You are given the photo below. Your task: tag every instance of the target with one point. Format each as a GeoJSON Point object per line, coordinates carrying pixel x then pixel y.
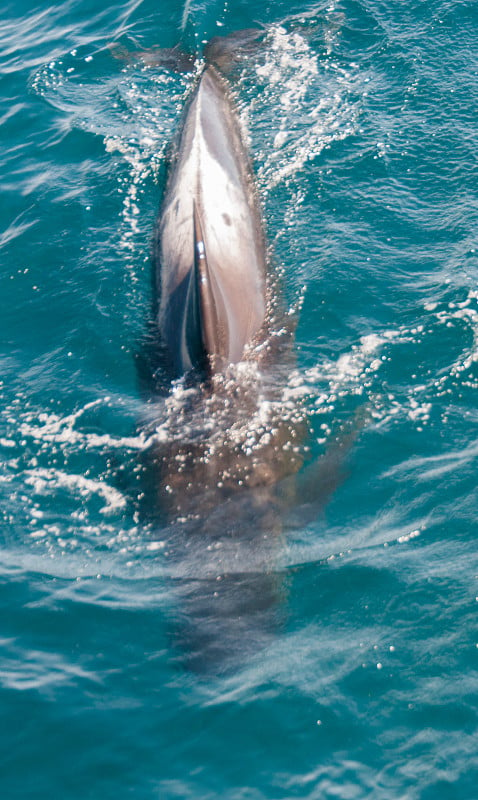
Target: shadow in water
{"type": "Point", "coordinates": [224, 621]}
{"type": "Point", "coordinates": [223, 482]}
{"type": "Point", "coordinates": [228, 591]}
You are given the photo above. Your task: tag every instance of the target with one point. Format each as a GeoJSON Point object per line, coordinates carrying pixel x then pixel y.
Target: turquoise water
{"type": "Point", "coordinates": [349, 667]}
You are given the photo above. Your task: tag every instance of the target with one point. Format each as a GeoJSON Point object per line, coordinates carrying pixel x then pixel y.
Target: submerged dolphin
{"type": "Point", "coordinates": [210, 244]}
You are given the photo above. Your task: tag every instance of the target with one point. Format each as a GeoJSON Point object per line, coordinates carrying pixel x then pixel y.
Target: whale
{"type": "Point", "coordinates": [210, 247]}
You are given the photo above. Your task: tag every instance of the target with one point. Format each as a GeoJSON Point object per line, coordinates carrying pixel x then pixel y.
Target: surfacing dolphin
{"type": "Point", "coordinates": [227, 444]}
{"type": "Point", "coordinates": [210, 243]}
{"type": "Point", "coordinates": [222, 441]}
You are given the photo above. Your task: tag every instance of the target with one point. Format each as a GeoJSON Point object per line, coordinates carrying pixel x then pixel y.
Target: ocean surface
{"type": "Point", "coordinates": [333, 655]}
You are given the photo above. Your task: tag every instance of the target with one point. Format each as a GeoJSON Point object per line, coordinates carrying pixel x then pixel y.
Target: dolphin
{"type": "Point", "coordinates": [209, 244]}
{"type": "Point", "coordinates": [220, 471]}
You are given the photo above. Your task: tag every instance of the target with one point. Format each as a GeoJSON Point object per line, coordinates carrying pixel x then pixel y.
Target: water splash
{"type": "Point", "coordinates": [291, 78]}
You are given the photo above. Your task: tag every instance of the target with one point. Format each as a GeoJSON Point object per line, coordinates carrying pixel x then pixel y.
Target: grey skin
{"type": "Point", "coordinates": [211, 251]}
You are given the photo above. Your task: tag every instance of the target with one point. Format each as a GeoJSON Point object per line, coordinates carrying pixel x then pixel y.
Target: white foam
{"type": "Point", "coordinates": [52, 428]}
{"type": "Point", "coordinates": [302, 127]}
{"type": "Point", "coordinates": [46, 481]}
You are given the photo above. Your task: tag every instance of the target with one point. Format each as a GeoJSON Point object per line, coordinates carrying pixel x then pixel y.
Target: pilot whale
{"type": "Point", "coordinates": [210, 244]}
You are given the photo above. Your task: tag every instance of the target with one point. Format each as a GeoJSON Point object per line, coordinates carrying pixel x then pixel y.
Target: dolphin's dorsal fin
{"type": "Point", "coordinates": [208, 314]}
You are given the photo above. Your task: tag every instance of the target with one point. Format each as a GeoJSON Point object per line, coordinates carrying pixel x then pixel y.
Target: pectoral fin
{"type": "Point", "coordinates": [171, 58]}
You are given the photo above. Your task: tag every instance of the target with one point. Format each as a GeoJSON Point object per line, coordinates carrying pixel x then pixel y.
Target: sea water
{"type": "Point", "coordinates": [361, 682]}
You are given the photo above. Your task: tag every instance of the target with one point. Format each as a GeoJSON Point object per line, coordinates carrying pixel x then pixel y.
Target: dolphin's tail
{"type": "Point", "coordinates": [227, 52]}
{"type": "Point", "coordinates": [224, 52]}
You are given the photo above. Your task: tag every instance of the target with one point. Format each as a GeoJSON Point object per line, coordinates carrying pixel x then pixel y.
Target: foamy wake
{"type": "Point", "coordinates": [292, 77]}
{"type": "Point", "coordinates": [44, 481]}
{"type": "Point", "coordinates": [134, 111]}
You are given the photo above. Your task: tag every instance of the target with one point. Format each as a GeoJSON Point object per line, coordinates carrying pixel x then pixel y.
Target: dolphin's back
{"type": "Point", "coordinates": [212, 257]}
